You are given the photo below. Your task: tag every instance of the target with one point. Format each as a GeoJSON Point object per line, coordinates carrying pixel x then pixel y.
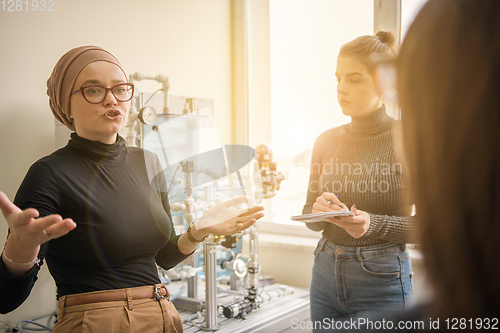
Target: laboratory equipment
{"type": "Point", "coordinates": [182, 135]}
{"type": "Point", "coordinates": [270, 177]}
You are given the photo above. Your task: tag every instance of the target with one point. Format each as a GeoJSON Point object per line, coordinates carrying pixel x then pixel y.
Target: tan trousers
{"type": "Point", "coordinates": [128, 316]}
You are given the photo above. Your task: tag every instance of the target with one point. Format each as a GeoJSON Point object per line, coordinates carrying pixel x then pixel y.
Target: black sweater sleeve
{"type": "Point", "coordinates": [14, 290]}
{"type": "Point", "coordinates": [41, 184]}
{"type": "Point", "coordinates": [170, 255]}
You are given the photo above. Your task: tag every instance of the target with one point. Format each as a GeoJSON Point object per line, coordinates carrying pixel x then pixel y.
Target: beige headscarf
{"type": "Point", "coordinates": [64, 74]}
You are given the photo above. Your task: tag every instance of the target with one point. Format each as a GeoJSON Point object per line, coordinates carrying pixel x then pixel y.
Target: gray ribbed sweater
{"type": "Point", "coordinates": [357, 161]}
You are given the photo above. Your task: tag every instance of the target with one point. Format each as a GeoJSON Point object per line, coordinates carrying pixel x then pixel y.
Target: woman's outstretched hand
{"type": "Point", "coordinates": [27, 229]}
{"type": "Point", "coordinates": [27, 233]}
{"type": "Point", "coordinates": [221, 220]}
{"type": "Point", "coordinates": [238, 223]}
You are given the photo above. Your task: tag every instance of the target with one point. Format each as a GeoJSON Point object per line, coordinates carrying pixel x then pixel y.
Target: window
{"type": "Point", "coordinates": [305, 39]}
{"type": "Point", "coordinates": [409, 9]}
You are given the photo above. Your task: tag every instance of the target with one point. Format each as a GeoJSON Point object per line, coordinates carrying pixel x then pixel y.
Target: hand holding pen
{"type": "Point", "coordinates": [356, 225]}
{"type": "Point", "coordinates": [327, 202]}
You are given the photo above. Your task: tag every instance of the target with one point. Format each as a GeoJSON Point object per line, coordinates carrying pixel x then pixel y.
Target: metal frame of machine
{"type": "Point", "coordinates": [262, 184]}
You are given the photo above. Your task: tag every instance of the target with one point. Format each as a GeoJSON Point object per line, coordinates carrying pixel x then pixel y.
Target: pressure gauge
{"type": "Point", "coordinates": [147, 115]}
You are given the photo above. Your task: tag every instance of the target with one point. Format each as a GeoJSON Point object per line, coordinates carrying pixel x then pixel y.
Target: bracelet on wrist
{"type": "Point", "coordinates": [33, 262]}
{"type": "Point", "coordinates": [191, 238]}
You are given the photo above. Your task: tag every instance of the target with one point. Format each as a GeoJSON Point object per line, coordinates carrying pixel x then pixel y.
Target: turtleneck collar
{"type": "Point", "coordinates": [105, 154]}
{"type": "Point", "coordinates": [371, 124]}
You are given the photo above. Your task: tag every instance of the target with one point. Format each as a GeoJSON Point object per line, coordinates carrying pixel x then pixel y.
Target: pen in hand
{"type": "Point", "coordinates": [330, 201]}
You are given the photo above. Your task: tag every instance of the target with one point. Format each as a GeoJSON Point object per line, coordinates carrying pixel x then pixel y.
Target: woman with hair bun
{"type": "Point", "coordinates": [361, 265]}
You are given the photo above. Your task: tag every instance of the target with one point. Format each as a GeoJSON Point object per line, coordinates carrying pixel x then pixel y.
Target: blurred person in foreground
{"type": "Point", "coordinates": [448, 74]}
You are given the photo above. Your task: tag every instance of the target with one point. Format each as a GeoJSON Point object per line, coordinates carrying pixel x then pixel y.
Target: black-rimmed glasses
{"type": "Point", "coordinates": [95, 94]}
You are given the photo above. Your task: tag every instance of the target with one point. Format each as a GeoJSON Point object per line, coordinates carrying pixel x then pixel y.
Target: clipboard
{"type": "Point", "coordinates": [317, 217]}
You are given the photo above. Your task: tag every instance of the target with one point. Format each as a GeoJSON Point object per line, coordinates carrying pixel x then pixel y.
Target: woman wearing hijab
{"type": "Point", "coordinates": [95, 211]}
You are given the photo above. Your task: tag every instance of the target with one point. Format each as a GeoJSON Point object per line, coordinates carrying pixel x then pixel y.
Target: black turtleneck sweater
{"type": "Point", "coordinates": [123, 220]}
{"type": "Point", "coordinates": [357, 161]}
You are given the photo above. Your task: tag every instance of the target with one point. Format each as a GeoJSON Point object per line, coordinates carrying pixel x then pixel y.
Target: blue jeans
{"type": "Point", "coordinates": [358, 282]}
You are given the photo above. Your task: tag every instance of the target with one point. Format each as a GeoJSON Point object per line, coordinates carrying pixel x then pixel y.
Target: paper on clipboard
{"type": "Point", "coordinates": [316, 217]}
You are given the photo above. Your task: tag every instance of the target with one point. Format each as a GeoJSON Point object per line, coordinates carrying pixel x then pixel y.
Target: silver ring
{"type": "Point", "coordinates": [46, 234]}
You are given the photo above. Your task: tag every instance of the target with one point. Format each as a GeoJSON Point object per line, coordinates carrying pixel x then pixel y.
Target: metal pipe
{"type": "Point", "coordinates": [253, 263]}
{"type": "Point", "coordinates": [131, 126]}
{"type": "Point", "coordinates": [209, 255]}
{"type": "Point", "coordinates": [163, 79]}
{"type": "Point", "coordinates": [192, 282]}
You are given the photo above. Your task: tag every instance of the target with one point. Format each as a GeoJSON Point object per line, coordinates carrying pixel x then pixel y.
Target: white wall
{"type": "Point", "coordinates": [188, 40]}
